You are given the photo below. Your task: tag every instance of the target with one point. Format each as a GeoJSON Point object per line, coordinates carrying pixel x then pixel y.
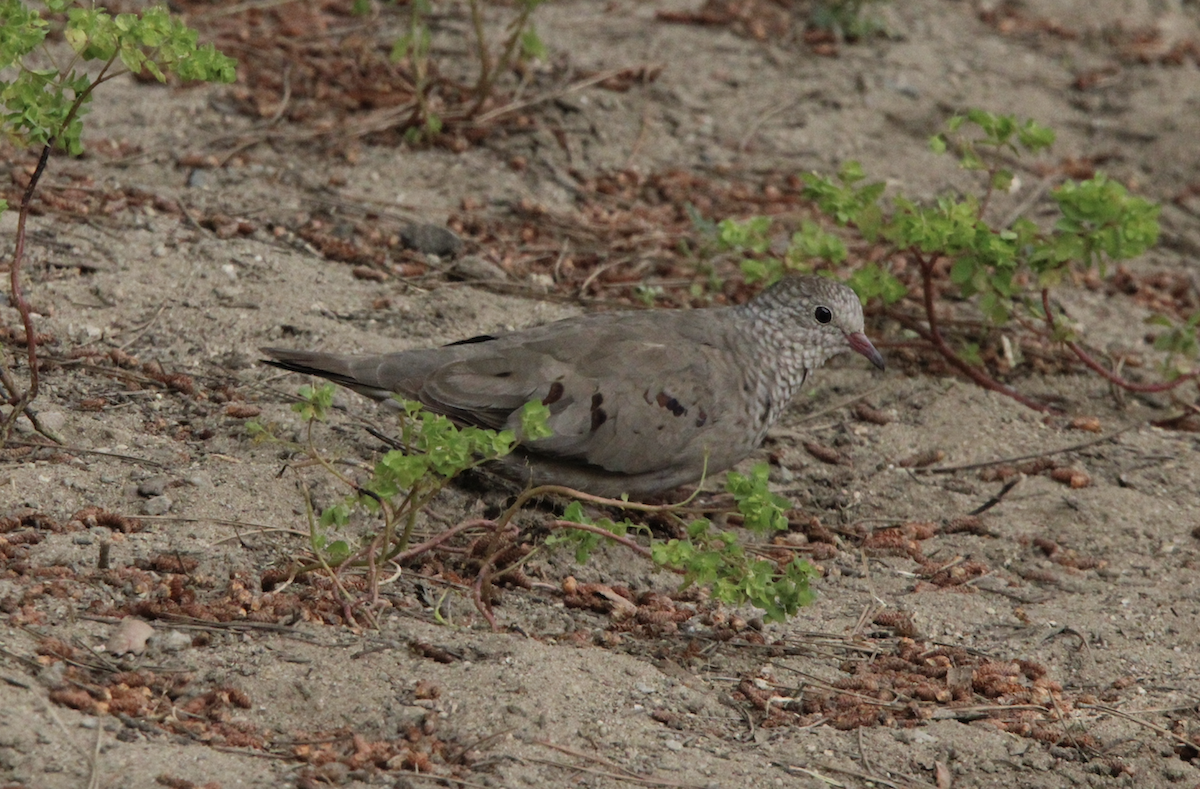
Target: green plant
{"type": "Point", "coordinates": [414, 48]}
{"type": "Point", "coordinates": [1005, 271]}
{"type": "Point", "coordinates": [750, 239]}
{"type": "Point", "coordinates": [713, 557]}
{"type": "Point", "coordinates": [44, 105]}
{"type": "Point", "coordinates": [433, 451]}
{"type": "Point", "coordinates": [849, 18]}
{"type": "Point", "coordinates": [390, 495]}
{"type": "Point", "coordinates": [522, 39]}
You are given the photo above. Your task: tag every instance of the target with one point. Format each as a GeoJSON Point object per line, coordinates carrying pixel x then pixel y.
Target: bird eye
{"type": "Point", "coordinates": [823, 315]}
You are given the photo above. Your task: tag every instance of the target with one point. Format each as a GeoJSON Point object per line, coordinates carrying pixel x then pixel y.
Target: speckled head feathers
{"type": "Point", "coordinates": [822, 317]}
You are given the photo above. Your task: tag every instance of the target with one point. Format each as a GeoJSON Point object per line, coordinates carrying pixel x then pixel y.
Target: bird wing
{"type": "Point", "coordinates": [630, 398]}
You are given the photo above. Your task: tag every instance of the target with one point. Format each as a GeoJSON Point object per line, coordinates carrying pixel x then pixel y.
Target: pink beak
{"type": "Point", "coordinates": [860, 344]}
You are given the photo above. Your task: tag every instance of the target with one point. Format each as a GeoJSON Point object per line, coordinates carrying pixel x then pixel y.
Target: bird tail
{"type": "Point", "coordinates": [349, 371]}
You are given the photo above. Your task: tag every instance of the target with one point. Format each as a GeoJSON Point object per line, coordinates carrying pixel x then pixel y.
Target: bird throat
{"type": "Point", "coordinates": [778, 367]}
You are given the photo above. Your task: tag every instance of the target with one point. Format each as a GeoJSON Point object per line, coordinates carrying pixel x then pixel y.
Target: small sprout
{"type": "Point", "coordinates": [535, 418]}
{"type": "Point", "coordinates": [315, 402]}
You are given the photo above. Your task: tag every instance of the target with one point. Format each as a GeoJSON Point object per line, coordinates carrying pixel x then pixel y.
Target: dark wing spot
{"type": "Point", "coordinates": [471, 340]}
{"type": "Point", "coordinates": [702, 418]}
{"type": "Point", "coordinates": [598, 418]}
{"type": "Point", "coordinates": [597, 399]}
{"type": "Point", "coordinates": [555, 394]}
{"type": "Point", "coordinates": [766, 408]}
{"type": "Point", "coordinates": [664, 400]}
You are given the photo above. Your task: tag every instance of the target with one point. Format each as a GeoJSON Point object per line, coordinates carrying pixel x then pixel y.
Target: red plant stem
{"type": "Point", "coordinates": [1106, 373]}
{"type": "Point", "coordinates": [934, 337]}
{"type": "Point", "coordinates": [15, 279]}
{"type": "Point", "coordinates": [485, 577]}
{"type": "Point", "coordinates": [430, 544]}
{"type": "Point", "coordinates": [20, 404]}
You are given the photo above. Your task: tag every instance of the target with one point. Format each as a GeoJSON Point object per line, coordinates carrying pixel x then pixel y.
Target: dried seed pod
{"type": "Point", "coordinates": [242, 411]}
{"type": "Point", "coordinates": [868, 414]}
{"type": "Point", "coordinates": [825, 454]}
{"type": "Point", "coordinates": [1071, 476]}
{"type": "Point", "coordinates": [922, 459]}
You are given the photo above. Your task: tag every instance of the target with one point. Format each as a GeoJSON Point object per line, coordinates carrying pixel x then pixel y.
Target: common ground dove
{"type": "Point", "coordinates": [640, 402]}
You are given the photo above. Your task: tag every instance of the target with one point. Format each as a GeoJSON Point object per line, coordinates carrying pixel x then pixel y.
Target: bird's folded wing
{"type": "Point", "coordinates": [612, 407]}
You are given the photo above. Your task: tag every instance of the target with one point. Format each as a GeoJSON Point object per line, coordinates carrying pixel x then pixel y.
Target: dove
{"type": "Point", "coordinates": [640, 402]}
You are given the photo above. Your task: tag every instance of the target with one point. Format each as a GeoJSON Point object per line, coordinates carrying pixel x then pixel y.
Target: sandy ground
{"type": "Point", "coordinates": [1096, 588]}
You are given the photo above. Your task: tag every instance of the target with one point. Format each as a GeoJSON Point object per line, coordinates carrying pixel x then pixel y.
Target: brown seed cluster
{"type": "Point", "coordinates": [1067, 475]}
{"type": "Point", "coordinates": [649, 613]}
{"type": "Point", "coordinates": [913, 681]}
{"type": "Point", "coordinates": [905, 540]}
{"type": "Point", "coordinates": [1067, 557]}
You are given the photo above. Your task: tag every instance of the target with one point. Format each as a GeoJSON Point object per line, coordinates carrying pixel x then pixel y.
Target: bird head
{"type": "Point", "coordinates": [825, 314]}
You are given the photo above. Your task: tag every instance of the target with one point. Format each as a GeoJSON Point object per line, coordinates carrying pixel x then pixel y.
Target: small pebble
{"type": "Point", "coordinates": [431, 240]}
{"type": "Point", "coordinates": [198, 179]}
{"type": "Point", "coordinates": [152, 486]}
{"type": "Point", "coordinates": [199, 479]}
{"type": "Point", "coordinates": [172, 641]}
{"type": "Point", "coordinates": [53, 420]}
{"type": "Point", "coordinates": [474, 268]}
{"type": "Point", "coordinates": [157, 505]}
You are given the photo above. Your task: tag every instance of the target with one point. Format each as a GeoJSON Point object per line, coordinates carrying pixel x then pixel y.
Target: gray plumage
{"type": "Point", "coordinates": [638, 400]}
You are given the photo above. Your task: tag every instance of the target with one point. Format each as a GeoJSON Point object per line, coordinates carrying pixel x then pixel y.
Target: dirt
{"type": "Point", "coordinates": [1092, 586]}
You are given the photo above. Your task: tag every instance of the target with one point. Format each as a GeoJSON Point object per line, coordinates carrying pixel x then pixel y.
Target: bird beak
{"type": "Point", "coordinates": [860, 344]}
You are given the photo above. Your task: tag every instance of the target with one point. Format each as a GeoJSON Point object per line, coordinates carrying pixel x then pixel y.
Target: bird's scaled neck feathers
{"type": "Point", "coordinates": [773, 363]}
{"type": "Point", "coordinates": [781, 336]}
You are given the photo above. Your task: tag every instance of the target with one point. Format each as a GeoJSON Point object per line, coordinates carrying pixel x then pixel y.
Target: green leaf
{"type": "Point", "coordinates": [762, 510]}
{"type": "Point", "coordinates": [337, 515]}
{"type": "Point", "coordinates": [1101, 219]}
{"type": "Point", "coordinates": [574, 513]}
{"type": "Point", "coordinates": [812, 241]}
{"type": "Point", "coordinates": [845, 202]}
{"type": "Point", "coordinates": [337, 552]}
{"type": "Point", "coordinates": [532, 45]}
{"type": "Point", "coordinates": [315, 402]}
{"type": "Point", "coordinates": [970, 354]}
{"type": "Point", "coordinates": [755, 270]}
{"type": "Point", "coordinates": [751, 235]}
{"type": "Point", "coordinates": [535, 418]}
{"type": "Point", "coordinates": [401, 468]}
{"type": "Point", "coordinates": [871, 282]}
{"type": "Point", "coordinates": [1035, 137]}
